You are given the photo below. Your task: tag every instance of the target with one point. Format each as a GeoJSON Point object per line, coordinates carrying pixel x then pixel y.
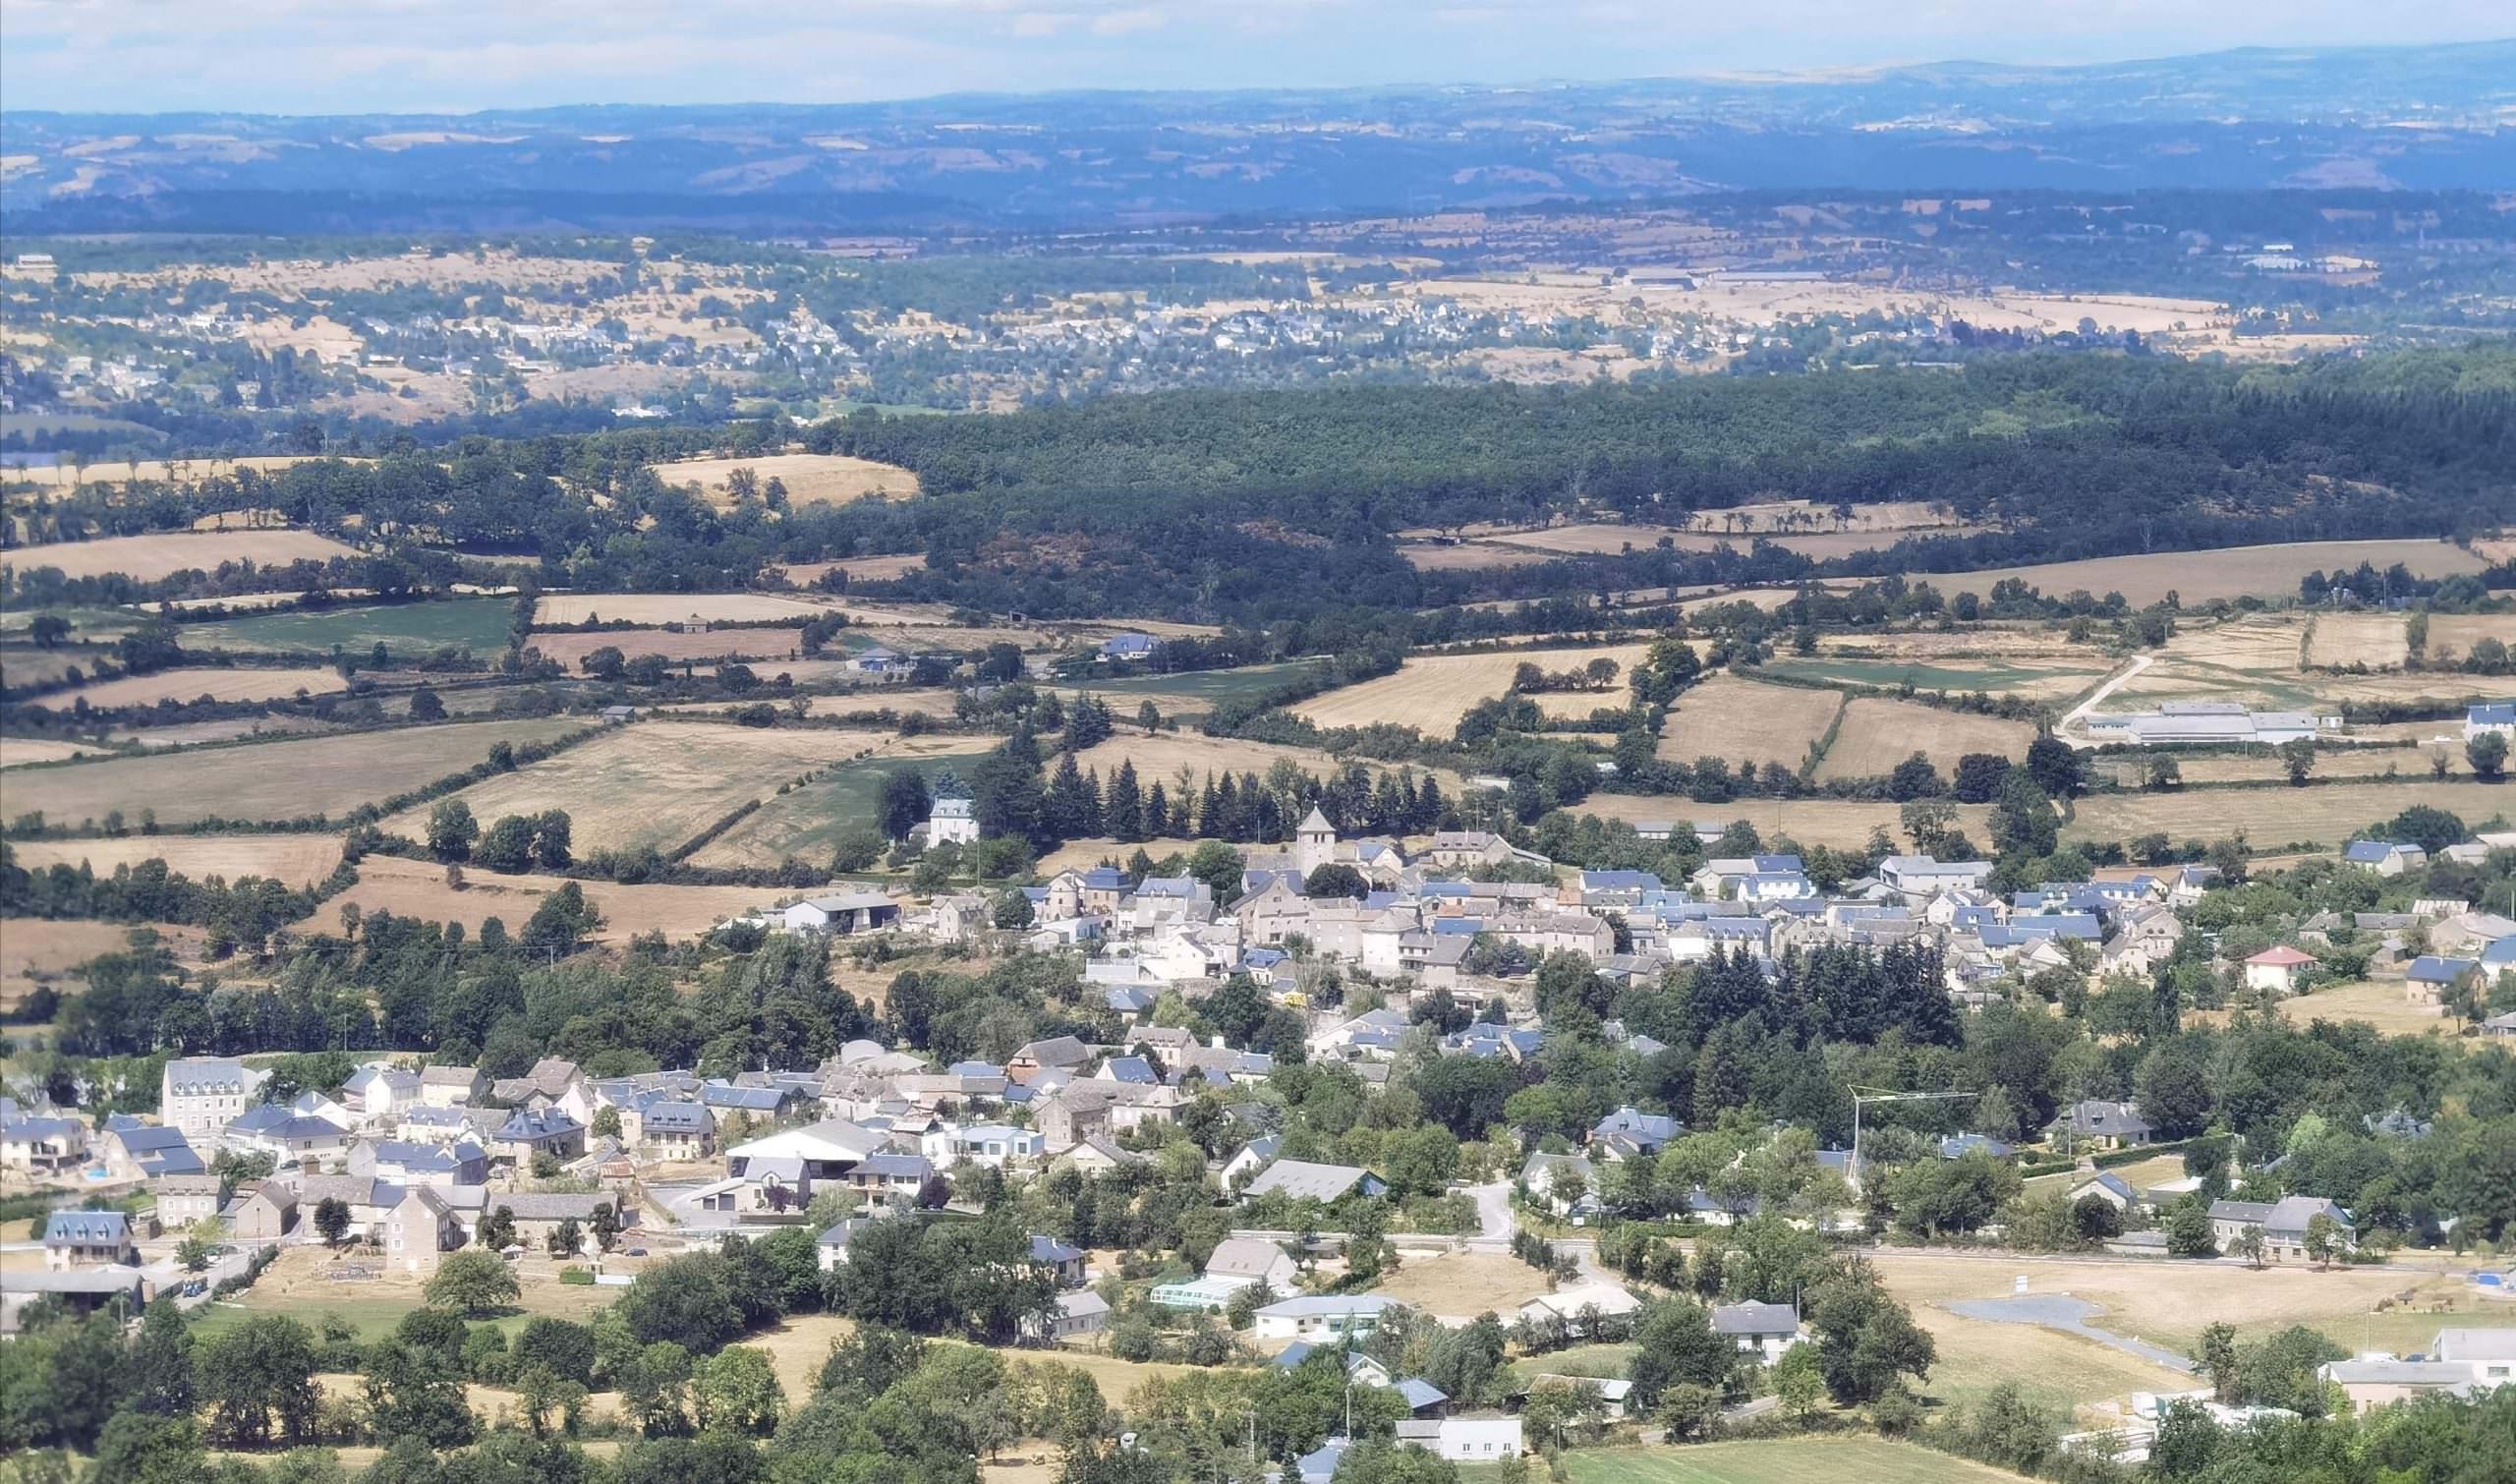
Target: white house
{"type": "Point", "coordinates": [1312, 1316]}
{"type": "Point", "coordinates": [1464, 1440]}
{"type": "Point", "coordinates": [2275, 969]}
{"type": "Point", "coordinates": [2491, 719]}
{"type": "Point", "coordinates": [951, 824]}
{"type": "Point", "coordinates": [1249, 1259]}
{"type": "Point", "coordinates": [1762, 1330]}
{"type": "Point", "coordinates": [203, 1095]}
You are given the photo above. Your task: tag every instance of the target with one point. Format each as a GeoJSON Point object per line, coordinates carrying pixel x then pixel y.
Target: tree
{"type": "Point", "coordinates": [566, 1238]}
{"type": "Point", "coordinates": [496, 1231]}
{"type": "Point", "coordinates": [138, 1447]}
{"type": "Point", "coordinates": [2218, 1354]}
{"type": "Point", "coordinates": [736, 1388]}
{"type": "Point", "coordinates": [2188, 1231]}
{"type": "Point", "coordinates": [2056, 767]}
{"type": "Point", "coordinates": [416, 1393]}
{"type": "Point", "coordinates": [2487, 755]}
{"type": "Point", "coordinates": [331, 1220]}
{"type": "Point", "coordinates": [688, 1302]}
{"type": "Point", "coordinates": [1800, 1383]}
{"type": "Point", "coordinates": [905, 804]}
{"type": "Point", "coordinates": [566, 1350]}
{"type": "Point", "coordinates": [2297, 758]}
{"type": "Point", "coordinates": [451, 830]}
{"type": "Point", "coordinates": [1674, 1345]}
{"type": "Point", "coordinates": [258, 1380]}
{"type": "Point", "coordinates": [426, 706]}
{"type": "Point", "coordinates": [2172, 1086]}
{"type": "Point", "coordinates": [473, 1283]}
{"type": "Point", "coordinates": [508, 844]}
{"type": "Point", "coordinates": [1334, 878]}
{"type": "Point", "coordinates": [2323, 1240]}
{"type": "Point", "coordinates": [606, 1227]}
{"type": "Point", "coordinates": [2248, 1244]}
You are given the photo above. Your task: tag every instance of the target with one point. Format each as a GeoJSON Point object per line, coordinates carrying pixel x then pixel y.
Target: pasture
{"type": "Point", "coordinates": [2451, 636]}
{"type": "Point", "coordinates": [153, 558]}
{"type": "Point", "coordinates": [292, 860]}
{"type": "Point", "coordinates": [418, 888]}
{"type": "Point", "coordinates": [806, 822]}
{"type": "Point", "coordinates": [2370, 639]}
{"type": "Point", "coordinates": [811, 479]}
{"type": "Point", "coordinates": [203, 682]}
{"type": "Point", "coordinates": [1855, 1459]}
{"type": "Point", "coordinates": [1877, 733]}
{"type": "Point", "coordinates": [1196, 689]}
{"type": "Point", "coordinates": [477, 624]}
{"type": "Point", "coordinates": [658, 783]}
{"type": "Point", "coordinates": [553, 611]}
{"type": "Point", "coordinates": [2325, 814]}
{"type": "Point", "coordinates": [2034, 679]}
{"type": "Point", "coordinates": [2200, 576]}
{"type": "Point", "coordinates": [1742, 720]}
{"type": "Point", "coordinates": [1464, 1284]}
{"type": "Point", "coordinates": [2380, 1002]}
{"type": "Point", "coordinates": [270, 780]}
{"type": "Point", "coordinates": [858, 569]}
{"type": "Point", "coordinates": [43, 666]}
{"type": "Point", "coordinates": [1431, 692]}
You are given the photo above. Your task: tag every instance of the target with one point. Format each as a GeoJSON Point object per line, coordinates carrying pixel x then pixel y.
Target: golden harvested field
{"type": "Point", "coordinates": [35, 952]}
{"type": "Point", "coordinates": [124, 471]}
{"type": "Point", "coordinates": [657, 783]}
{"type": "Point", "coordinates": [808, 821]}
{"type": "Point", "coordinates": [1431, 692]}
{"type": "Point", "coordinates": [418, 888]}
{"type": "Point", "coordinates": [2370, 639]}
{"type": "Point", "coordinates": [1468, 556]}
{"type": "Point", "coordinates": [2406, 763]}
{"type": "Point", "coordinates": [1167, 755]}
{"type": "Point", "coordinates": [561, 610]}
{"type": "Point", "coordinates": [571, 650]}
{"type": "Point", "coordinates": [246, 602]}
{"type": "Point", "coordinates": [799, 1344]}
{"type": "Point", "coordinates": [1844, 824]}
{"type": "Point", "coordinates": [1746, 720]}
{"type": "Point", "coordinates": [1878, 734]}
{"type": "Point", "coordinates": [270, 780]}
{"type": "Point", "coordinates": [2322, 814]}
{"type": "Point", "coordinates": [292, 860]}
{"type": "Point", "coordinates": [2451, 636]}
{"type": "Point", "coordinates": [811, 479]}
{"type": "Point", "coordinates": [1849, 1459]}
{"type": "Point", "coordinates": [227, 729]}
{"type": "Point", "coordinates": [2199, 576]}
{"type": "Point", "coordinates": [2378, 1001]}
{"type": "Point", "coordinates": [1464, 1284]}
{"type": "Point", "coordinates": [857, 568]}
{"type": "Point", "coordinates": [16, 752]}
{"type": "Point", "coordinates": [150, 558]}
{"type": "Point", "coordinates": [241, 684]}
{"type": "Point", "coordinates": [1576, 706]}
{"type": "Point", "coordinates": [2054, 1369]}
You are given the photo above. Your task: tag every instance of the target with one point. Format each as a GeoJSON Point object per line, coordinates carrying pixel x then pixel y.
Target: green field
{"type": "Point", "coordinates": [1792, 1460]}
{"type": "Point", "coordinates": [404, 629]}
{"type": "Point", "coordinates": [1242, 684]}
{"type": "Point", "coordinates": [808, 821]}
{"type": "Point", "coordinates": [1985, 675]}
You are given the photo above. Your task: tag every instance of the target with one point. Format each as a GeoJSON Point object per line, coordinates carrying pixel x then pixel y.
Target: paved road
{"type": "Point", "coordinates": [1494, 1219]}
{"type": "Point", "coordinates": [2060, 1311]}
{"type": "Point", "coordinates": [2078, 718]}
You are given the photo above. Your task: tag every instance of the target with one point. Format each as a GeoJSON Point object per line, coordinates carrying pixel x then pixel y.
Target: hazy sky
{"type": "Point", "coordinates": [349, 56]}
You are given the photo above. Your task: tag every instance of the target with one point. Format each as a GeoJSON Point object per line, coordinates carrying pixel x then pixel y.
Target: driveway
{"type": "Point", "coordinates": [1494, 1219]}
{"type": "Point", "coordinates": [2073, 729]}
{"type": "Point", "coordinates": [2060, 1311]}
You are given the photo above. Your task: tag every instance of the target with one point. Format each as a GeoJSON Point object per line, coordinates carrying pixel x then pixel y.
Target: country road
{"type": "Point", "coordinates": [2079, 714]}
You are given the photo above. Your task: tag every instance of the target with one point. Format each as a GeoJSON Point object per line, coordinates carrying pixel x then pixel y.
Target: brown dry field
{"type": "Point", "coordinates": [2170, 1304]}
{"type": "Point", "coordinates": [765, 645]}
{"type": "Point", "coordinates": [292, 860]}
{"type": "Point", "coordinates": [811, 479]}
{"type": "Point", "coordinates": [1878, 734]}
{"type": "Point", "coordinates": [2250, 642]}
{"type": "Point", "coordinates": [555, 611]}
{"type": "Point", "coordinates": [239, 684]}
{"type": "Point", "coordinates": [1431, 692]}
{"type": "Point", "coordinates": [2406, 763]}
{"type": "Point", "coordinates": [418, 888]}
{"type": "Point", "coordinates": [150, 558]}
{"type": "Point", "coordinates": [43, 666]}
{"type": "Point", "coordinates": [1819, 543]}
{"type": "Point", "coordinates": [246, 602]}
{"type": "Point", "coordinates": [857, 568]}
{"type": "Point", "coordinates": [1747, 720]}
{"type": "Point", "coordinates": [18, 752]}
{"type": "Point", "coordinates": [2451, 636]}
{"type": "Point", "coordinates": [1844, 824]}
{"type": "Point", "coordinates": [2324, 813]}
{"type": "Point", "coordinates": [123, 471]}
{"type": "Point", "coordinates": [804, 822]}
{"type": "Point", "coordinates": [270, 780]}
{"type": "Point", "coordinates": [2200, 576]}
{"type": "Point", "coordinates": [2370, 639]}
{"type": "Point", "coordinates": [2005, 643]}
{"type": "Point", "coordinates": [935, 701]}
{"type": "Point", "coordinates": [1468, 556]}
{"type": "Point", "coordinates": [657, 783]}
{"type": "Point", "coordinates": [34, 950]}
{"type": "Point", "coordinates": [1464, 1284]}
{"type": "Point", "coordinates": [1576, 706]}
{"type": "Point", "coordinates": [799, 1344]}
{"type": "Point", "coordinates": [228, 728]}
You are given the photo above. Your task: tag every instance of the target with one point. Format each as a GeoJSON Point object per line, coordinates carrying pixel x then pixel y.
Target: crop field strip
{"type": "Point", "coordinates": [1737, 719]}
{"type": "Point", "coordinates": [1432, 692]}
{"type": "Point", "coordinates": [1877, 733]}
{"type": "Point", "coordinates": [479, 624]}
{"type": "Point", "coordinates": [151, 558]}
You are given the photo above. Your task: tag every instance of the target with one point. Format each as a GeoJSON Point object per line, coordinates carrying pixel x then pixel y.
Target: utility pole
{"type": "Point", "coordinates": [1861, 1097]}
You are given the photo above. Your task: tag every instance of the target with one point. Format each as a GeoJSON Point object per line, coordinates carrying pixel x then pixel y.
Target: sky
{"type": "Point", "coordinates": [370, 56]}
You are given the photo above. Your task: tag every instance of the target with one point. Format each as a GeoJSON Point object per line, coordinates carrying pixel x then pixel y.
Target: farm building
{"type": "Point", "coordinates": [2207, 721]}
{"type": "Point", "coordinates": [842, 912]}
{"type": "Point", "coordinates": [2494, 717]}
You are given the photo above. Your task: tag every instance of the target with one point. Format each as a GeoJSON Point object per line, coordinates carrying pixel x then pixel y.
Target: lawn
{"type": "Point", "coordinates": [807, 822]}
{"type": "Point", "coordinates": [412, 628]}
{"type": "Point", "coordinates": [1795, 1460]}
